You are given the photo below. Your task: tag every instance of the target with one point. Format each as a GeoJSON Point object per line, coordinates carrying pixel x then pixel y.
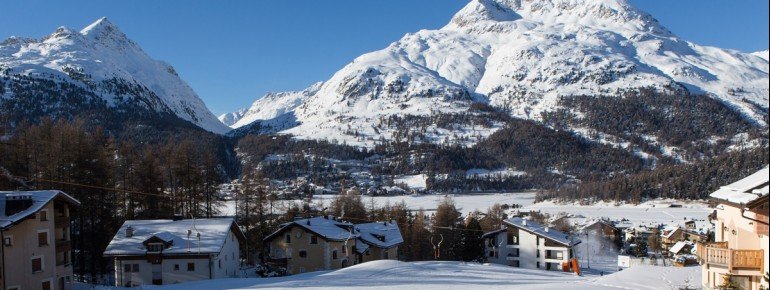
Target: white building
{"type": "Point", "coordinates": [739, 253]}
{"type": "Point", "coordinates": [174, 251]}
{"type": "Point", "coordinates": [527, 244]}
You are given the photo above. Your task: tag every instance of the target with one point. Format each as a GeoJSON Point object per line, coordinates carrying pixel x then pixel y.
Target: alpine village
{"type": "Point", "coordinates": [520, 144]}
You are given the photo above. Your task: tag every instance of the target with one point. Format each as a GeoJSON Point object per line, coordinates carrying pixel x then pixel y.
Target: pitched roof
{"type": "Point", "coordinates": [487, 234]}
{"type": "Point", "coordinates": [36, 201]}
{"type": "Point", "coordinates": [676, 248]}
{"type": "Point", "coordinates": [213, 233]}
{"type": "Point", "coordinates": [323, 226]}
{"type": "Point", "coordinates": [747, 189]}
{"type": "Point", "coordinates": [540, 230]}
{"type": "Point", "coordinates": [380, 234]}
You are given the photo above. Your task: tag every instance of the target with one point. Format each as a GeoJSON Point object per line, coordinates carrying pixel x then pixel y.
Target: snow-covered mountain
{"type": "Point", "coordinates": [231, 118]}
{"type": "Point", "coordinates": [102, 60]}
{"type": "Point", "coordinates": [763, 54]}
{"type": "Point", "coordinates": [517, 55]}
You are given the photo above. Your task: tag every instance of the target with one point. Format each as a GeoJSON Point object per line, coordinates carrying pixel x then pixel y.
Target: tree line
{"type": "Point", "coordinates": [114, 179]}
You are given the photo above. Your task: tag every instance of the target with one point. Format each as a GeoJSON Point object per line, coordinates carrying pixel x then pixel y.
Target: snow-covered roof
{"type": "Point", "coordinates": [35, 201]}
{"type": "Point", "coordinates": [676, 248]}
{"type": "Point", "coordinates": [540, 230]}
{"type": "Point", "coordinates": [380, 234]}
{"type": "Point", "coordinates": [745, 190]}
{"type": "Point", "coordinates": [361, 247]}
{"type": "Point", "coordinates": [213, 234]}
{"type": "Point", "coordinates": [325, 226]}
{"type": "Point", "coordinates": [672, 232]}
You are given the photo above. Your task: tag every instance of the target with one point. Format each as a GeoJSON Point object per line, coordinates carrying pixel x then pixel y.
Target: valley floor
{"type": "Point", "coordinates": [443, 275]}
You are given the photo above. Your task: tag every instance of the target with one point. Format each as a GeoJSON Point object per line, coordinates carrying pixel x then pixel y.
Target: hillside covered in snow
{"type": "Point", "coordinates": [520, 57]}
{"type": "Point", "coordinates": [97, 68]}
{"type": "Point", "coordinates": [385, 274]}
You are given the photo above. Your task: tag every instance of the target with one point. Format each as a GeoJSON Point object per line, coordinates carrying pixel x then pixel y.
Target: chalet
{"type": "Point", "coordinates": [35, 232]}
{"type": "Point", "coordinates": [740, 248]}
{"type": "Point", "coordinates": [603, 228]}
{"type": "Point", "coordinates": [173, 251]}
{"type": "Point", "coordinates": [526, 244]}
{"type": "Point", "coordinates": [326, 243]}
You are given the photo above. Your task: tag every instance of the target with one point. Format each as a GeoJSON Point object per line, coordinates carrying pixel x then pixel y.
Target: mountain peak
{"type": "Point", "coordinates": [103, 31]}
{"type": "Point", "coordinates": [597, 13]}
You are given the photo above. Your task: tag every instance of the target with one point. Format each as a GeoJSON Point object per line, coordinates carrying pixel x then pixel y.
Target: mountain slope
{"type": "Point", "coordinates": [521, 57]}
{"type": "Point", "coordinates": [763, 54]}
{"type": "Point", "coordinates": [102, 60]}
{"type": "Point", "coordinates": [231, 118]}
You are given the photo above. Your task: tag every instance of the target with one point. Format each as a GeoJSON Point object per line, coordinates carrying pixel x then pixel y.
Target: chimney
{"type": "Point", "coordinates": [546, 229]}
{"type": "Point", "coordinates": [524, 222]}
{"type": "Point", "coordinates": [308, 222]}
{"type": "Point", "coordinates": [129, 231]}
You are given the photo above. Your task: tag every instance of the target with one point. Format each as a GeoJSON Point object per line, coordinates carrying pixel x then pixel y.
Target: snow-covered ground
{"type": "Point", "coordinates": [467, 203]}
{"type": "Point", "coordinates": [647, 213]}
{"type": "Point", "coordinates": [452, 275]}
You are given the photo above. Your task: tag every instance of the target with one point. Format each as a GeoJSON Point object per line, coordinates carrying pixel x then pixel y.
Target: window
{"type": "Point", "coordinates": [190, 267]}
{"type": "Point", "coordinates": [538, 265]}
{"type": "Point", "coordinates": [176, 267]}
{"type": "Point", "coordinates": [491, 254]}
{"type": "Point", "coordinates": [288, 238]}
{"type": "Point", "coordinates": [303, 254]}
{"type": "Point", "coordinates": [128, 268]}
{"type": "Point", "coordinates": [344, 250]}
{"type": "Point", "coordinates": [314, 239]}
{"type": "Point", "coordinates": [537, 241]}
{"type": "Point", "coordinates": [334, 255]}
{"type": "Point", "coordinates": [37, 264]}
{"type": "Point", "coordinates": [301, 269]}
{"type": "Point", "coordinates": [513, 239]}
{"type": "Point", "coordinates": [8, 241]}
{"type": "Point", "coordinates": [44, 218]}
{"type": "Point", "coordinates": [538, 253]}
{"type": "Point", "coordinates": [46, 285]}
{"type": "Point", "coordinates": [386, 255]}
{"type": "Point", "coordinates": [154, 247]}
{"type": "Point", "coordinates": [42, 238]}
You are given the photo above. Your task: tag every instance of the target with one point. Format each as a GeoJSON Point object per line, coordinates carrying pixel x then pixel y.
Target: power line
{"type": "Point", "coordinates": [10, 175]}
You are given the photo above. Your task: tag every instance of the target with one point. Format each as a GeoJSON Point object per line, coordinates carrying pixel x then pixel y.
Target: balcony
{"type": "Point", "coordinates": [720, 255]}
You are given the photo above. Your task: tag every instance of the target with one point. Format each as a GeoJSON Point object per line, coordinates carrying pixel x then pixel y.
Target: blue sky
{"type": "Point", "coordinates": [232, 52]}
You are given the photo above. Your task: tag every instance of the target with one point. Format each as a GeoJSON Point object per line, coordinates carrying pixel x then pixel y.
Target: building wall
{"type": "Point", "coordinates": [18, 257]}
{"type": "Point", "coordinates": [319, 256]}
{"type": "Point", "coordinates": [227, 263]}
{"type": "Point", "coordinates": [173, 269]}
{"type": "Point", "coordinates": [528, 248]}
{"type": "Point", "coordinates": [170, 274]}
{"type": "Point", "coordinates": [376, 253]}
{"type": "Point", "coordinates": [729, 219]}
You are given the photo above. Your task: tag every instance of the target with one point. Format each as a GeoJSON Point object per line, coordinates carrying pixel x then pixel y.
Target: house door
{"type": "Point", "coordinates": [61, 284]}
{"type": "Point", "coordinates": [157, 274]}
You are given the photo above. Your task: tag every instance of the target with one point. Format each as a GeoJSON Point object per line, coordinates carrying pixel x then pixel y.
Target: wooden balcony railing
{"type": "Point", "coordinates": [718, 254]}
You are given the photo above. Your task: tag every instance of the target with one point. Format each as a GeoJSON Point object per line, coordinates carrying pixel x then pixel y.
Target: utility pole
{"type": "Point", "coordinates": [588, 253]}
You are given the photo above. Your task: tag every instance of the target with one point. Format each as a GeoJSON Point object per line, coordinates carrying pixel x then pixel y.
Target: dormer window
{"type": "Point", "coordinates": [155, 247]}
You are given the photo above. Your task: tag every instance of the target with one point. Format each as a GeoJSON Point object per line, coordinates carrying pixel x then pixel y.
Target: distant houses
{"type": "Point", "coordinates": [524, 243]}
{"type": "Point", "coordinates": [36, 241]}
{"type": "Point", "coordinates": [739, 253]}
{"type": "Point", "coordinates": [173, 251]}
{"type": "Point", "coordinates": [326, 243]}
